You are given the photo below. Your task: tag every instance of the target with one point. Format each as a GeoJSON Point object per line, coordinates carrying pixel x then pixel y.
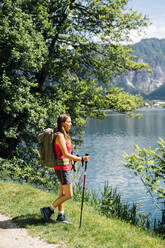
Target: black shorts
{"type": "Point", "coordinates": [64, 177]}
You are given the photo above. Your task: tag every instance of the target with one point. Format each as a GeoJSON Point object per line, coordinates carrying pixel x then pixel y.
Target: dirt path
{"type": "Point", "coordinates": [12, 236]}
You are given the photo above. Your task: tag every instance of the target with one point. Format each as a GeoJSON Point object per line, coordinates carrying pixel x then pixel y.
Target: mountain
{"type": "Point", "coordinates": [158, 94]}
{"type": "Point", "coordinates": [149, 84]}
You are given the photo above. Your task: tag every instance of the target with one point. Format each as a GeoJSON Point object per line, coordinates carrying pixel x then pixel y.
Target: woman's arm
{"type": "Point", "coordinates": [61, 142]}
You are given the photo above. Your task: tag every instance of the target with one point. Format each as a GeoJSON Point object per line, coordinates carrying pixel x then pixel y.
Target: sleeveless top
{"type": "Point", "coordinates": [58, 151]}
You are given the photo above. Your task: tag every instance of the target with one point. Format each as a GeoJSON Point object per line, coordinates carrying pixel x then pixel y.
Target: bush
{"type": "Point", "coordinates": [20, 171]}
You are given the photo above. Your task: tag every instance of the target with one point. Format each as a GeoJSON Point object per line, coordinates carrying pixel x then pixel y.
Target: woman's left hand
{"type": "Point", "coordinates": [85, 158]}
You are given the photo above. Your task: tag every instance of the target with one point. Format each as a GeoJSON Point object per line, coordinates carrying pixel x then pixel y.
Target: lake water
{"type": "Point", "coordinates": [105, 140]}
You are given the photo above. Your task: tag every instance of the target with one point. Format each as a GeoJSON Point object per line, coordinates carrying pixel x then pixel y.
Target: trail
{"type": "Point", "coordinates": [12, 236]}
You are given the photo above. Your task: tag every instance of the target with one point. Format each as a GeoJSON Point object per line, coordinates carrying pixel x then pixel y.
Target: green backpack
{"type": "Point", "coordinates": [45, 147]}
{"type": "Point", "coordinates": [47, 151]}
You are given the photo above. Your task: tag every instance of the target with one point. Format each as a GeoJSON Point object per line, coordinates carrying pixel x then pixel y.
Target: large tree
{"type": "Point", "coordinates": [55, 56]}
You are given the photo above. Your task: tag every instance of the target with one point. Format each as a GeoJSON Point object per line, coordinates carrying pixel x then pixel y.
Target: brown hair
{"type": "Point", "coordinates": [62, 118]}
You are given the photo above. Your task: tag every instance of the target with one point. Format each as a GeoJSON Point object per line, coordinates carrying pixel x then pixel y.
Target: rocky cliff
{"type": "Point", "coordinates": [152, 52]}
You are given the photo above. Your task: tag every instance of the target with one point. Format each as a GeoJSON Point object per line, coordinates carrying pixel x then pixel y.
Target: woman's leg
{"type": "Point", "coordinates": [61, 206]}
{"type": "Point", "coordinates": [67, 194]}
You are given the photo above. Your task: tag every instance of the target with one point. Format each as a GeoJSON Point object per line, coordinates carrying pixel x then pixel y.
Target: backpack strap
{"type": "Point", "coordinates": [55, 150]}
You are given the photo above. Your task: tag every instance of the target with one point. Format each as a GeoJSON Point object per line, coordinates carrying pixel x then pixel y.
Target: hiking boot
{"type": "Point", "coordinates": [46, 213]}
{"type": "Point", "coordinates": [62, 218]}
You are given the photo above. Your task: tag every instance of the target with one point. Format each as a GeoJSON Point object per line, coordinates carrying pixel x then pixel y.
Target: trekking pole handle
{"type": "Point", "coordinates": [86, 154]}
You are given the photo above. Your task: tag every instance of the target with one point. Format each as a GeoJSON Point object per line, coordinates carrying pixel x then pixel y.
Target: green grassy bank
{"type": "Point", "coordinates": [22, 202]}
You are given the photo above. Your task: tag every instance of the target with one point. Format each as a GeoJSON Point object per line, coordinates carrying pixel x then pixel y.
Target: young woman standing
{"type": "Point", "coordinates": [62, 145]}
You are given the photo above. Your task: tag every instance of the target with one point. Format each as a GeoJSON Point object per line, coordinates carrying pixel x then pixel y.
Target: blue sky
{"type": "Point", "coordinates": [155, 10]}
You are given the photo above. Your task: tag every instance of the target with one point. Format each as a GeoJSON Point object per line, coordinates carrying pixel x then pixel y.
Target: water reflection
{"type": "Point", "coordinates": [105, 140]}
{"type": "Point", "coordinates": [150, 124]}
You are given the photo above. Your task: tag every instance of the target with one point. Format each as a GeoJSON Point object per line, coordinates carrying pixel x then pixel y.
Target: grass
{"type": "Point", "coordinates": [22, 202]}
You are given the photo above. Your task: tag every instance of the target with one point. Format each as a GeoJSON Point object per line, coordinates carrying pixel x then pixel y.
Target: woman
{"type": "Point", "coordinates": [62, 145]}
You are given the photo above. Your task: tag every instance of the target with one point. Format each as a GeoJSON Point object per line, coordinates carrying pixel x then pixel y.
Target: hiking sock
{"type": "Point", "coordinates": [61, 212]}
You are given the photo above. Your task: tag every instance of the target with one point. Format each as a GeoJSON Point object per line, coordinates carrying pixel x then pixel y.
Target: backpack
{"type": "Point", "coordinates": [46, 147]}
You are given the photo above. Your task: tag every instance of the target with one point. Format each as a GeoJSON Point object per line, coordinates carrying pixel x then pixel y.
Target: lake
{"type": "Point", "coordinates": [106, 139]}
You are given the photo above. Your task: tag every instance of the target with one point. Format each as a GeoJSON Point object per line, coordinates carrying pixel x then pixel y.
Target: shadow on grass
{"type": "Point", "coordinates": [30, 219]}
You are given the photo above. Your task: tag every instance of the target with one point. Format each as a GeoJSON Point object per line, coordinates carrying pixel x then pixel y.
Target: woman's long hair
{"type": "Point", "coordinates": [62, 118]}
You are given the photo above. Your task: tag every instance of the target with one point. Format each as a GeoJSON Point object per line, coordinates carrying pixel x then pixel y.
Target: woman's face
{"type": "Point", "coordinates": [67, 124]}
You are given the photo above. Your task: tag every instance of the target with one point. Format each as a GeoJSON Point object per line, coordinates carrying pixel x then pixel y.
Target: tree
{"type": "Point", "coordinates": [149, 166]}
{"type": "Point", "coordinates": [54, 56]}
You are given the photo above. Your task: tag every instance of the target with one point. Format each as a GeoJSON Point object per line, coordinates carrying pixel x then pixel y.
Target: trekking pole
{"type": "Point", "coordinates": [83, 191]}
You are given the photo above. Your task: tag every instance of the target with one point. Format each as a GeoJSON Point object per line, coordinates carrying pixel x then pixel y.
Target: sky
{"type": "Point", "coordinates": [155, 11]}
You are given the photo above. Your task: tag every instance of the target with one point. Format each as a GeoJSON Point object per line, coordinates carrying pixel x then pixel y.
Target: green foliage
{"type": "Point", "coordinates": [45, 48]}
{"type": "Point", "coordinates": [117, 99]}
{"type": "Point", "coordinates": [149, 165]}
{"type": "Point", "coordinates": [111, 205]}
{"type": "Point", "coordinates": [18, 170]}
